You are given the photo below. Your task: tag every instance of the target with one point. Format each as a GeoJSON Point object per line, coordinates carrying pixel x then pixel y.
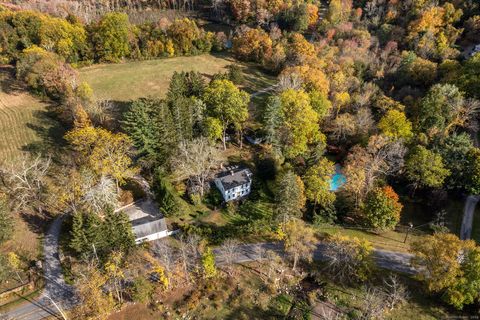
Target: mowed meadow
{"type": "Point", "coordinates": [21, 117]}
{"type": "Point", "coordinates": [132, 80]}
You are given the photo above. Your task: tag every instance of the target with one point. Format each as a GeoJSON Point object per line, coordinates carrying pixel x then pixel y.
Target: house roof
{"type": "Point", "coordinates": [145, 218]}
{"type": "Point", "coordinates": [234, 177]}
{"type": "Point", "coordinates": [148, 225]}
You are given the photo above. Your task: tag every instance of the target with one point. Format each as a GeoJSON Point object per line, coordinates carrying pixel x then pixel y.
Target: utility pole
{"type": "Point", "coordinates": [410, 227]}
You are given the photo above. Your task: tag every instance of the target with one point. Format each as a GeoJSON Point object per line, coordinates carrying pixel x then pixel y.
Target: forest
{"type": "Point", "coordinates": [380, 94]}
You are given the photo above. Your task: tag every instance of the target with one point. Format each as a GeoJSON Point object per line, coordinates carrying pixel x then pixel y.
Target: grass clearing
{"type": "Point", "coordinates": [24, 242]}
{"type": "Point", "coordinates": [22, 117]}
{"type": "Point", "coordinates": [388, 240]}
{"type": "Point", "coordinates": [132, 80]}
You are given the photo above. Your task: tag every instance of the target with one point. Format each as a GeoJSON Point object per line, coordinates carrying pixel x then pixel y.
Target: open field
{"type": "Point", "coordinates": [21, 116]}
{"type": "Point", "coordinates": [126, 81]}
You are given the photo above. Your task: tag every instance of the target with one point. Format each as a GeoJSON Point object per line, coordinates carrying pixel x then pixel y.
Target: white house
{"type": "Point", "coordinates": [234, 183]}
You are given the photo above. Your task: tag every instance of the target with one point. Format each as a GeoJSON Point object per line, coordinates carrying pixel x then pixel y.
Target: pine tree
{"type": "Point", "coordinates": [195, 83]}
{"type": "Point", "coordinates": [118, 231]}
{"type": "Point", "coordinates": [182, 115]}
{"type": "Point", "coordinates": [272, 119]}
{"type": "Point", "coordinates": [165, 197]}
{"type": "Point", "coordinates": [178, 87]}
{"type": "Point", "coordinates": [78, 242]}
{"type": "Point", "coordinates": [93, 233]}
{"type": "Point", "coordinates": [150, 125]}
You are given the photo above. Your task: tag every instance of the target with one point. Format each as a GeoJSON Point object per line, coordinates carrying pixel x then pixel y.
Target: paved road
{"type": "Point", "coordinates": [468, 213]}
{"type": "Point", "coordinates": [55, 288]}
{"type": "Point", "coordinates": [389, 260]}
{"type": "Point", "coordinates": [470, 204]}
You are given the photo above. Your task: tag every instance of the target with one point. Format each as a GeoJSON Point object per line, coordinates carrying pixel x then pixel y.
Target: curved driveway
{"type": "Point", "coordinates": [55, 287]}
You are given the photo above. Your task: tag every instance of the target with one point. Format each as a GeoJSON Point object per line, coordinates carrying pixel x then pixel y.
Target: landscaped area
{"type": "Point", "coordinates": [23, 117]}
{"type": "Point", "coordinates": [151, 78]}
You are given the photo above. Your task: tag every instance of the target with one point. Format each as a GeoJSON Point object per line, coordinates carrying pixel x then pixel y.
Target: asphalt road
{"type": "Point", "coordinates": [470, 204]}
{"type": "Point", "coordinates": [63, 294]}
{"type": "Point", "coordinates": [468, 213]}
{"type": "Point", "coordinates": [55, 288]}
{"type": "Point", "coordinates": [389, 260]}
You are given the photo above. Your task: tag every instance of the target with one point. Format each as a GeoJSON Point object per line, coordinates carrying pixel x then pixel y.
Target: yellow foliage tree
{"type": "Point", "coordinates": [95, 304]}
{"type": "Point", "coordinates": [439, 259]}
{"type": "Point", "coordinates": [312, 78]}
{"type": "Point", "coordinates": [105, 152]}
{"type": "Point", "coordinates": [299, 241]}
{"type": "Point", "coordinates": [300, 123]}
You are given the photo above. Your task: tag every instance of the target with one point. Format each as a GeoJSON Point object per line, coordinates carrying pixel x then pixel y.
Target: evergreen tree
{"type": "Point", "coordinates": [118, 231]}
{"type": "Point", "coordinates": [182, 115]}
{"type": "Point", "coordinates": [93, 233]}
{"type": "Point", "coordinates": [272, 119]}
{"type": "Point", "coordinates": [165, 196]}
{"type": "Point", "coordinates": [290, 196]}
{"type": "Point", "coordinates": [150, 125]}
{"type": "Point", "coordinates": [195, 83]}
{"type": "Point", "coordinates": [178, 87]}
{"type": "Point", "coordinates": [78, 238]}
{"type": "Point", "coordinates": [185, 84]}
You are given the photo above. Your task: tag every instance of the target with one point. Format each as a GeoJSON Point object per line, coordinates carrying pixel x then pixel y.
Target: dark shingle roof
{"type": "Point", "coordinates": [234, 178]}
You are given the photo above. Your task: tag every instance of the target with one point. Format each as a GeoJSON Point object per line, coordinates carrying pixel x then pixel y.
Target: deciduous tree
{"type": "Point", "coordinates": [227, 103]}
{"type": "Point", "coordinates": [105, 152]}
{"type": "Point", "coordinates": [299, 241]}
{"type": "Point", "coordinates": [382, 208]}
{"type": "Point", "coordinates": [449, 266]}
{"type": "Point", "coordinates": [111, 37]}
{"type": "Point", "coordinates": [195, 161]}
{"type": "Point", "coordinates": [425, 168]}
{"type": "Point", "coordinates": [317, 182]}
{"type": "Point", "coordinates": [350, 260]}
{"type": "Point", "coordinates": [395, 124]}
{"type": "Point", "coordinates": [300, 123]}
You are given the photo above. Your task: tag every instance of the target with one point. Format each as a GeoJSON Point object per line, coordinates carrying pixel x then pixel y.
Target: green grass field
{"type": "Point", "coordinates": [22, 117]}
{"type": "Point", "coordinates": [126, 81]}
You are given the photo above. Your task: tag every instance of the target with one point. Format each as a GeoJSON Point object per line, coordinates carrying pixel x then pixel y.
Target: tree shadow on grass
{"type": "Point", "coordinates": [50, 132]}
{"type": "Point", "coordinates": [35, 222]}
{"type": "Point", "coordinates": [8, 83]}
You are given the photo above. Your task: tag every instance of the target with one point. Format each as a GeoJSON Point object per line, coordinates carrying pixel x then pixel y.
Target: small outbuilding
{"type": "Point", "coordinates": [147, 222]}
{"type": "Point", "coordinates": [234, 182]}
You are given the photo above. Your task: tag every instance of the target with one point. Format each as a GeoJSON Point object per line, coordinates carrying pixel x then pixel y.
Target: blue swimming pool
{"type": "Point", "coordinates": [338, 179]}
